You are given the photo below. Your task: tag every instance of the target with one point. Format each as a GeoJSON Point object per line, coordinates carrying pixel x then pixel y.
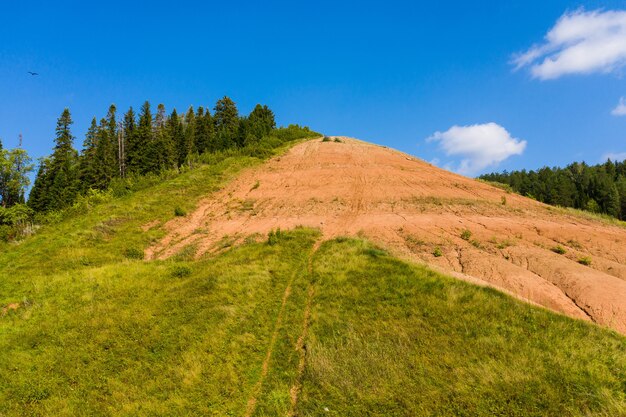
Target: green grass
{"type": "Point", "coordinates": [393, 339]}
{"type": "Point", "coordinates": [101, 332]}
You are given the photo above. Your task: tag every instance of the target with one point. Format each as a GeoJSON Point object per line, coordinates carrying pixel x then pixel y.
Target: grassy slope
{"type": "Point", "coordinates": [100, 334]}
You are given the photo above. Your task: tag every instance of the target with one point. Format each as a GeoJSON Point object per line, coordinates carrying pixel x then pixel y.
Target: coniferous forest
{"type": "Point", "coordinates": [599, 188]}
{"type": "Point", "coordinates": [120, 148]}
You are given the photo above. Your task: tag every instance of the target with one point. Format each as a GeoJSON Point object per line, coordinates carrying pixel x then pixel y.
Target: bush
{"type": "Point", "coordinates": [180, 271]}
{"type": "Point", "coordinates": [558, 249]}
{"type": "Point", "coordinates": [274, 237]}
{"type": "Point", "coordinates": [437, 252]}
{"type": "Point", "coordinates": [374, 252]}
{"type": "Point", "coordinates": [15, 222]}
{"type": "Point", "coordinates": [133, 253]}
{"type": "Point", "coordinates": [179, 212]}
{"type": "Point", "coordinates": [466, 234]}
{"type": "Point", "coordinates": [326, 139]}
{"type": "Point", "coordinates": [585, 260]}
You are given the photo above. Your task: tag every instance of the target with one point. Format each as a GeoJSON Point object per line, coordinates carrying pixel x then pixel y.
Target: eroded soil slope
{"type": "Point", "coordinates": [457, 225]}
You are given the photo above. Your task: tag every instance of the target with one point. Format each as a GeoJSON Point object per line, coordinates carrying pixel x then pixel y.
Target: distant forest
{"type": "Point", "coordinates": [599, 188]}
{"type": "Point", "coordinates": [117, 150]}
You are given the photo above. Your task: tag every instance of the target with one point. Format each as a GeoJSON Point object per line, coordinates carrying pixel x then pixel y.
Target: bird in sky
{"type": "Point", "coordinates": [33, 73]}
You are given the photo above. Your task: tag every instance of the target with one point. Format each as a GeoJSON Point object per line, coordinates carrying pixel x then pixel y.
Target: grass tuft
{"type": "Point", "coordinates": [133, 253]}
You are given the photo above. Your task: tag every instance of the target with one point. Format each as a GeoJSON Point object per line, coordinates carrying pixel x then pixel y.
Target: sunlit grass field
{"type": "Point", "coordinates": [293, 325]}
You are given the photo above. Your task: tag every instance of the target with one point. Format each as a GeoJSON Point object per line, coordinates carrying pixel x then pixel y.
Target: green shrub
{"type": "Point", "coordinates": [558, 249]}
{"type": "Point", "coordinates": [374, 252]}
{"type": "Point", "coordinates": [180, 271]}
{"type": "Point", "coordinates": [326, 139]}
{"type": "Point", "coordinates": [437, 252]}
{"type": "Point", "coordinates": [133, 253]}
{"type": "Point", "coordinates": [466, 234]}
{"type": "Point", "coordinates": [475, 243]}
{"type": "Point", "coordinates": [584, 260]}
{"type": "Point", "coordinates": [274, 236]}
{"type": "Point", "coordinates": [179, 212]}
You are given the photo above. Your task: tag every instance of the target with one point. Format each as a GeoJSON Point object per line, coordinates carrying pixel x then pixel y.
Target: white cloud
{"type": "Point", "coordinates": [620, 109]}
{"type": "Point", "coordinates": [614, 156]}
{"type": "Point", "coordinates": [580, 42]}
{"type": "Point", "coordinates": [480, 146]}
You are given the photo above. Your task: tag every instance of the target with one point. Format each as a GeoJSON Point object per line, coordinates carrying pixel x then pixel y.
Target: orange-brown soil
{"type": "Point", "coordinates": [413, 208]}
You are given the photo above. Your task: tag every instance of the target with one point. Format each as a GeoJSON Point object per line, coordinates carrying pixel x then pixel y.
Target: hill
{"type": "Point", "coordinates": [236, 317]}
{"type": "Point", "coordinates": [561, 260]}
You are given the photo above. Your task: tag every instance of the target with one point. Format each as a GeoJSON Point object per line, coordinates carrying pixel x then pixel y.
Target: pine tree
{"type": "Point", "coordinates": [621, 189]}
{"type": "Point", "coordinates": [162, 146]}
{"type": "Point", "coordinates": [87, 159]}
{"type": "Point", "coordinates": [260, 123]}
{"type": "Point", "coordinates": [112, 136]}
{"type": "Point", "coordinates": [105, 164]}
{"type": "Point", "coordinates": [39, 198]}
{"type": "Point", "coordinates": [613, 204]}
{"type": "Point", "coordinates": [176, 133]}
{"type": "Point", "coordinates": [226, 120]}
{"type": "Point", "coordinates": [186, 148]}
{"type": "Point", "coordinates": [63, 174]}
{"type": "Point", "coordinates": [138, 159]}
{"type": "Point", "coordinates": [210, 131]}
{"type": "Point", "coordinates": [129, 142]}
{"type": "Point", "coordinates": [201, 132]}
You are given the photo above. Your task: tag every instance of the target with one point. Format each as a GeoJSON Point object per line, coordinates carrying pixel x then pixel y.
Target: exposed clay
{"type": "Point", "coordinates": [411, 207]}
{"type": "Point", "coordinates": [8, 307]}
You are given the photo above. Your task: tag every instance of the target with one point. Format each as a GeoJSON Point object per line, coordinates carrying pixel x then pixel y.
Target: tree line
{"type": "Point", "coordinates": [118, 151]}
{"type": "Point", "coordinates": [599, 188]}
{"type": "Point", "coordinates": [139, 145]}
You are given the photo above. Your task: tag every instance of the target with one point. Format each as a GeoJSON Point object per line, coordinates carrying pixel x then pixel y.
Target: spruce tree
{"type": "Point", "coordinates": [201, 143]}
{"type": "Point", "coordinates": [176, 133]}
{"type": "Point", "coordinates": [112, 136]}
{"type": "Point", "coordinates": [162, 146]}
{"type": "Point", "coordinates": [226, 120]}
{"type": "Point", "coordinates": [129, 139]}
{"type": "Point", "coordinates": [63, 174]}
{"type": "Point", "coordinates": [87, 159]}
{"type": "Point", "coordinates": [138, 159]}
{"type": "Point", "coordinates": [210, 132]}
{"type": "Point", "coordinates": [105, 164]}
{"type": "Point", "coordinates": [259, 124]}
{"type": "Point", "coordinates": [186, 148]}
{"type": "Point", "coordinates": [39, 198]}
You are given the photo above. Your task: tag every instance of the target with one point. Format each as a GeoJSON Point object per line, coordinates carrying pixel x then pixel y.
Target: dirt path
{"type": "Point", "coordinates": [417, 210]}
{"type": "Point", "coordinates": [295, 389]}
{"type": "Point", "coordinates": [251, 404]}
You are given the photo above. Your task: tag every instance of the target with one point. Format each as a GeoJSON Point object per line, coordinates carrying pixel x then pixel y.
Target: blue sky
{"type": "Point", "coordinates": [402, 74]}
